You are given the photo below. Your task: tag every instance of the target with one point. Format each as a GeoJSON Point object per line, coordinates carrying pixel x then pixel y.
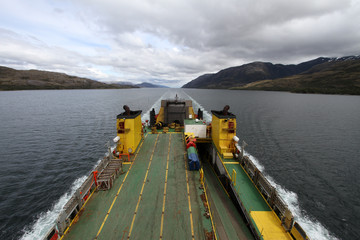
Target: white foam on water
{"type": "Point", "coordinates": [255, 161]}
{"type": "Point", "coordinates": [206, 115]}
{"type": "Point", "coordinates": [46, 220]}
{"type": "Point", "coordinates": [156, 106]}
{"type": "Point", "coordinates": [171, 94]}
{"type": "Point", "coordinates": [313, 228]}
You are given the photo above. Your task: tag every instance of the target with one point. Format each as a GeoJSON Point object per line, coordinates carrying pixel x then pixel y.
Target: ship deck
{"type": "Point", "coordinates": [156, 198]}
{"type": "Point", "coordinates": [227, 219]}
{"type": "Point", "coordinates": [267, 224]}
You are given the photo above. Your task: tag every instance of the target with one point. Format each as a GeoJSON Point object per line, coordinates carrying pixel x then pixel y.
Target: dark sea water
{"type": "Point", "coordinates": [307, 145]}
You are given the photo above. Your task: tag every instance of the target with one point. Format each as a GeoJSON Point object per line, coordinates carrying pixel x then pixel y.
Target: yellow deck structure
{"type": "Point", "coordinates": [223, 131]}
{"type": "Point", "coordinates": [248, 185]}
{"type": "Point", "coordinates": [129, 129]}
{"type": "Point", "coordinates": [154, 195]}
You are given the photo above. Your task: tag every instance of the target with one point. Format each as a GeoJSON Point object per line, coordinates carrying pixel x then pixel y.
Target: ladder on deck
{"type": "Point", "coordinates": [113, 168]}
{"type": "Point", "coordinates": [107, 176]}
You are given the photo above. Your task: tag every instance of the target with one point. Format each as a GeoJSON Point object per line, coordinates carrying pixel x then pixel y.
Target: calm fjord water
{"type": "Point", "coordinates": [308, 145]}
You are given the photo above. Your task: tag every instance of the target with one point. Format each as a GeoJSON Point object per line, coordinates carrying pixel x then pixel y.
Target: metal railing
{"type": "Point", "coordinates": [268, 192]}
{"type": "Point", "coordinates": [77, 201]}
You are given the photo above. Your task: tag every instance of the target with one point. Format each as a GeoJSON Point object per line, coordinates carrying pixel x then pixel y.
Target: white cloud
{"type": "Point", "coordinates": [171, 41]}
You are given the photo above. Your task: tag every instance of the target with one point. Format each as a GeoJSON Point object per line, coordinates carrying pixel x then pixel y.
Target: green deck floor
{"type": "Point", "coordinates": [250, 196]}
{"type": "Point", "coordinates": [228, 221]}
{"type": "Point", "coordinates": [136, 212]}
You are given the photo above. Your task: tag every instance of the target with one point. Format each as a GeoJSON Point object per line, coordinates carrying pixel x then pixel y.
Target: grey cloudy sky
{"type": "Point", "coordinates": [171, 42]}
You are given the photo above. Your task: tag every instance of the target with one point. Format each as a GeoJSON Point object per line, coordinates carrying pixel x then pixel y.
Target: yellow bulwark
{"type": "Point", "coordinates": [129, 129]}
{"type": "Point", "coordinates": [223, 130]}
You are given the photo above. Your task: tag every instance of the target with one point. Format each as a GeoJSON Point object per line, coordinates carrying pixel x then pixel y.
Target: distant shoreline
{"type": "Point", "coordinates": [35, 89]}
{"type": "Point", "coordinates": [13, 80]}
{"type": "Point", "coordinates": [305, 91]}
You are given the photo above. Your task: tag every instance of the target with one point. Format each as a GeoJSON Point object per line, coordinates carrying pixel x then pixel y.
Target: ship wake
{"type": "Point", "coordinates": [46, 220]}
{"type": "Point", "coordinates": [312, 227]}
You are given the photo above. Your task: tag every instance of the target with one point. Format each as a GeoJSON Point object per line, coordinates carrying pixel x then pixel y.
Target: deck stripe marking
{"type": "Point", "coordinates": [188, 193]}
{"type": "Point", "coordinates": [117, 194]}
{"type": "Point", "coordinates": [67, 229]}
{"type": "Point", "coordinates": [166, 175]}
{"type": "Point", "coordinates": [211, 217]}
{"type": "Point", "coordinates": [142, 188]}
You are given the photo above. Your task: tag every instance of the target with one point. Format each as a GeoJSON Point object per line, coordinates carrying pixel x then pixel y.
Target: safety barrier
{"type": "Point", "coordinates": [269, 193]}
{"type": "Point", "coordinates": [75, 203]}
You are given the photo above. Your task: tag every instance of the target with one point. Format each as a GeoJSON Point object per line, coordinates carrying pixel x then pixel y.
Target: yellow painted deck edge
{"type": "Point", "coordinates": [269, 225]}
{"type": "Point", "coordinates": [272, 211]}
{"type": "Point", "coordinates": [208, 204]}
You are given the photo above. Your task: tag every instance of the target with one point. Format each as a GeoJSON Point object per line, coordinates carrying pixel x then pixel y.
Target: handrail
{"type": "Point", "coordinates": [76, 202]}
{"type": "Point", "coordinates": [269, 193]}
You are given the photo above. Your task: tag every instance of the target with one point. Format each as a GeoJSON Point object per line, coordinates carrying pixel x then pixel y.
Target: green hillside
{"type": "Point", "coordinates": [335, 77]}
{"type": "Point", "coordinates": [11, 79]}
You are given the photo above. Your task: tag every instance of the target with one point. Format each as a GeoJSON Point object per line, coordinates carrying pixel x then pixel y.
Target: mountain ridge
{"type": "Point", "coordinates": [333, 77]}
{"type": "Point", "coordinates": [12, 79]}
{"type": "Point", "coordinates": [245, 76]}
